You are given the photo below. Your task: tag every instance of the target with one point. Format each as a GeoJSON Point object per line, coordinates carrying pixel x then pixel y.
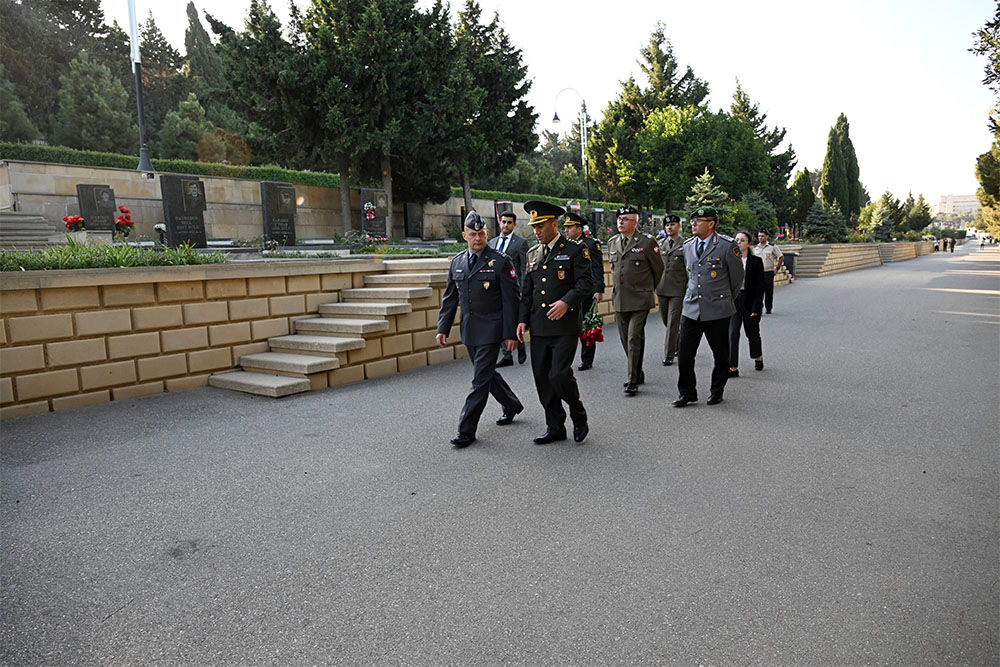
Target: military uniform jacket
{"type": "Point", "coordinates": [488, 296]}
{"type": "Point", "coordinates": [675, 276]}
{"type": "Point", "coordinates": [714, 278]}
{"type": "Point", "coordinates": [517, 250]}
{"type": "Point", "coordinates": [565, 275]}
{"type": "Point", "coordinates": [597, 262]}
{"type": "Point", "coordinates": [636, 267]}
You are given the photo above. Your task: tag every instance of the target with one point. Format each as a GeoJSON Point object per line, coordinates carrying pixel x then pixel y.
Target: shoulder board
{"type": "Point", "coordinates": [691, 240]}
{"type": "Point", "coordinates": [648, 236]}
{"type": "Point", "coordinates": [728, 238]}
{"type": "Point", "coordinates": [576, 241]}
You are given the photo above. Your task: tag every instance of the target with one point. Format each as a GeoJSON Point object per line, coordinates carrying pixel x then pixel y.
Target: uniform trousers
{"type": "Point", "coordinates": [717, 333]}
{"type": "Point", "coordinates": [768, 290]}
{"type": "Point", "coordinates": [552, 366]}
{"type": "Point", "coordinates": [485, 381]}
{"type": "Point", "coordinates": [670, 313]}
{"type": "Point", "coordinates": [751, 325]}
{"type": "Point", "coordinates": [632, 332]}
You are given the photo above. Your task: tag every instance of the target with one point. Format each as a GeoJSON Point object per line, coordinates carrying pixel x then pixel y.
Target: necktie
{"type": "Point", "coordinates": [701, 247]}
{"type": "Point", "coordinates": [472, 260]}
{"type": "Point", "coordinates": [502, 244]}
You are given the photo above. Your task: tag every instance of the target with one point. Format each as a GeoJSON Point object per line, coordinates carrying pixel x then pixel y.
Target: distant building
{"type": "Point", "coordinates": [956, 205]}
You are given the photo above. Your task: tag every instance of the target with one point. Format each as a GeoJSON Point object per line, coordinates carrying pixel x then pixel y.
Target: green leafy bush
{"type": "Point", "coordinates": [857, 237]}
{"type": "Point", "coordinates": [78, 255]}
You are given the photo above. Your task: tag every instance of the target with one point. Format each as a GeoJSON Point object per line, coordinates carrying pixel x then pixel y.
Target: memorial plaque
{"type": "Point", "coordinates": [97, 206]}
{"type": "Point", "coordinates": [183, 210]}
{"type": "Point", "coordinates": [414, 221]}
{"type": "Point", "coordinates": [278, 201]}
{"type": "Point", "coordinates": [374, 208]}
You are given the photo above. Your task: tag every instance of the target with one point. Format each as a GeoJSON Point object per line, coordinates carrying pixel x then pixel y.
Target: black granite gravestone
{"type": "Point", "coordinates": [278, 202]}
{"type": "Point", "coordinates": [97, 206]}
{"type": "Point", "coordinates": [183, 210]}
{"type": "Point", "coordinates": [374, 208]}
{"type": "Point", "coordinates": [414, 220]}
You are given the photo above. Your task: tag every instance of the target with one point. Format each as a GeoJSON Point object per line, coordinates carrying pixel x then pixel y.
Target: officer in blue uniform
{"type": "Point", "coordinates": [557, 288]}
{"type": "Point", "coordinates": [484, 283]}
{"type": "Point", "coordinates": [715, 275]}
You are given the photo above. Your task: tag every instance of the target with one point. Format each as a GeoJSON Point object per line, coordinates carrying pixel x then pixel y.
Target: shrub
{"type": "Point", "coordinates": [78, 255]}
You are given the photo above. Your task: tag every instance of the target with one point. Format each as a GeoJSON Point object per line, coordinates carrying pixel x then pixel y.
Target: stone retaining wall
{"type": "Point", "coordinates": [825, 259]}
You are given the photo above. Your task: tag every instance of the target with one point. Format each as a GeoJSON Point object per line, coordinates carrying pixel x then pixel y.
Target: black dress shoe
{"type": "Point", "coordinates": [580, 432]}
{"type": "Point", "coordinates": [506, 361]}
{"type": "Point", "coordinates": [509, 414]}
{"type": "Point", "coordinates": [758, 364]}
{"type": "Point", "coordinates": [734, 373]}
{"type": "Point", "coordinates": [551, 435]}
{"type": "Point", "coordinates": [768, 311]}
{"type": "Point", "coordinates": [714, 399]}
{"type": "Point", "coordinates": [583, 367]}
{"type": "Point", "coordinates": [463, 440]}
{"type": "Point", "coordinates": [682, 401]}
{"type": "Point", "coordinates": [642, 377]}
{"type": "Point", "coordinates": [522, 356]}
{"type": "Point", "coordinates": [631, 390]}
{"type": "Point", "coordinates": [667, 361]}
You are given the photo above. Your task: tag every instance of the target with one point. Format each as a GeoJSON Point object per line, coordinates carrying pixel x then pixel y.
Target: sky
{"type": "Point", "coordinates": [899, 69]}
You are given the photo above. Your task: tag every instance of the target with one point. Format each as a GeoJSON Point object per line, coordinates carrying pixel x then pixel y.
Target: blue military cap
{"type": "Point", "coordinates": [474, 221]}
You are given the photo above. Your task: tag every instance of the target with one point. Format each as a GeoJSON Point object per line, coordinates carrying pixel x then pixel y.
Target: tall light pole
{"type": "Point", "coordinates": [144, 163]}
{"type": "Point", "coordinates": [583, 134]}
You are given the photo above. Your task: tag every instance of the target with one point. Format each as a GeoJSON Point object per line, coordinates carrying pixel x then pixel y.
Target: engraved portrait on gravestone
{"type": "Point", "coordinates": [286, 201]}
{"type": "Point", "coordinates": [104, 201]}
{"type": "Point", "coordinates": [194, 195]}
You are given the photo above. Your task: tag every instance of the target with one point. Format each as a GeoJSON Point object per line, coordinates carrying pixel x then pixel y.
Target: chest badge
{"type": "Point", "coordinates": [486, 284]}
{"type": "Point", "coordinates": [561, 274]}
{"type": "Point", "coordinates": [713, 274]}
{"type": "Point", "coordinates": [492, 262]}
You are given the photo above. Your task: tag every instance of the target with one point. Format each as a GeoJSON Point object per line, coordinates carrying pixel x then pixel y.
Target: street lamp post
{"type": "Point", "coordinates": [144, 163]}
{"type": "Point", "coordinates": [583, 134]}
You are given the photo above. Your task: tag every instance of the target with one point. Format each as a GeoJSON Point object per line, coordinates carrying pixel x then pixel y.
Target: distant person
{"type": "Point", "coordinates": [636, 267]}
{"type": "Point", "coordinates": [573, 229]}
{"type": "Point", "coordinates": [673, 283]}
{"type": "Point", "coordinates": [951, 245]}
{"type": "Point", "coordinates": [715, 275]}
{"type": "Point", "coordinates": [982, 242]}
{"type": "Point", "coordinates": [483, 283]}
{"type": "Point", "coordinates": [773, 259]}
{"type": "Point", "coordinates": [515, 247]}
{"type": "Point", "coordinates": [749, 303]}
{"type": "Point", "coordinates": [557, 286]}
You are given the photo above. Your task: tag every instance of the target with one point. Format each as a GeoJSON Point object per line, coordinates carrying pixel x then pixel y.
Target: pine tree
{"type": "Point", "coordinates": [706, 193]}
{"type": "Point", "coordinates": [852, 205]}
{"type": "Point", "coordinates": [920, 215]}
{"type": "Point", "coordinates": [802, 198]}
{"type": "Point", "coordinates": [203, 66]}
{"type": "Point", "coordinates": [825, 225]}
{"type": "Point", "coordinates": [903, 219]}
{"type": "Point", "coordinates": [882, 226]}
{"type": "Point", "coordinates": [833, 184]}
{"type": "Point", "coordinates": [163, 84]}
{"type": "Point", "coordinates": [92, 112]}
{"type": "Point", "coordinates": [766, 217]}
{"type": "Point", "coordinates": [182, 130]}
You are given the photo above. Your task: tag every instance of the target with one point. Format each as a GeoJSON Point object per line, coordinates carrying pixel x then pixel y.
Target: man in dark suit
{"type": "Point", "coordinates": [557, 286]}
{"type": "Point", "coordinates": [573, 229]}
{"type": "Point", "coordinates": [670, 290]}
{"type": "Point", "coordinates": [715, 275]}
{"type": "Point", "coordinates": [515, 247]}
{"type": "Point", "coordinates": [749, 305]}
{"type": "Point", "coordinates": [484, 283]}
{"type": "Point", "coordinates": [636, 267]}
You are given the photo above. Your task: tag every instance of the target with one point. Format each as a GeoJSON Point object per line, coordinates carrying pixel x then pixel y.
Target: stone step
{"type": "Point", "coordinates": [261, 384]}
{"type": "Point", "coordinates": [411, 265]}
{"type": "Point", "coordinates": [385, 293]}
{"type": "Point", "coordinates": [322, 344]}
{"type": "Point", "coordinates": [377, 309]}
{"type": "Point", "coordinates": [304, 364]}
{"type": "Point", "coordinates": [414, 279]}
{"type": "Point", "coordinates": [340, 325]}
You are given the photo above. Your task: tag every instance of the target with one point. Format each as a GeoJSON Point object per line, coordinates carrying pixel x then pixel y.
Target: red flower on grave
{"type": "Point", "coordinates": [74, 223]}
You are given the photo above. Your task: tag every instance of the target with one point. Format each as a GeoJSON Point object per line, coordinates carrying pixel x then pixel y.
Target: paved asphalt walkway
{"type": "Point", "coordinates": [839, 508]}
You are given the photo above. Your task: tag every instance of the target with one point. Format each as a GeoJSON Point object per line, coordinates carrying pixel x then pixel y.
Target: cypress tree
{"type": "Point", "coordinates": [833, 183]}
{"type": "Point", "coordinates": [802, 197]}
{"type": "Point", "coordinates": [852, 205]}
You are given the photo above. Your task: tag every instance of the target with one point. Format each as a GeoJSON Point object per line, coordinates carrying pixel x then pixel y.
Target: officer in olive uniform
{"type": "Point", "coordinates": [556, 289]}
{"type": "Point", "coordinates": [715, 275]}
{"type": "Point", "coordinates": [573, 229]}
{"type": "Point", "coordinates": [670, 290]}
{"type": "Point", "coordinates": [636, 267]}
{"type": "Point", "coordinates": [484, 283]}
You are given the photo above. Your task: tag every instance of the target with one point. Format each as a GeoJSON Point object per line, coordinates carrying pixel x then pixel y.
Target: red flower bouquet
{"type": "Point", "coordinates": [592, 332]}
{"type": "Point", "coordinates": [74, 223]}
{"type": "Point", "coordinates": [124, 223]}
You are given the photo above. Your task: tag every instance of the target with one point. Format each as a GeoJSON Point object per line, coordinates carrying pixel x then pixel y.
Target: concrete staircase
{"type": "Point", "coordinates": [301, 362]}
{"type": "Point", "coordinates": [22, 231]}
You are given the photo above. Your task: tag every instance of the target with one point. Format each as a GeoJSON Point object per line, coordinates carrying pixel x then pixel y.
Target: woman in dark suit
{"type": "Point", "coordinates": [749, 304]}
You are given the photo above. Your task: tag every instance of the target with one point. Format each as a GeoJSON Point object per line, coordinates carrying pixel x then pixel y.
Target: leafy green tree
{"type": "Point", "coordinates": [781, 163]}
{"type": "Point", "coordinates": [988, 194]}
{"type": "Point", "coordinates": [988, 44]}
{"type": "Point", "coordinates": [91, 112]}
{"type": "Point", "coordinates": [14, 122]}
{"type": "Point", "coordinates": [741, 216]}
{"type": "Point", "coordinates": [546, 183]}
{"type": "Point", "coordinates": [182, 130]}
{"type": "Point", "coordinates": [668, 86]}
{"type": "Point", "coordinates": [766, 217]}
{"type": "Point", "coordinates": [919, 216]}
{"type": "Point", "coordinates": [501, 126]}
{"type": "Point", "coordinates": [803, 197]}
{"type": "Point", "coordinates": [519, 178]}
{"type": "Point", "coordinates": [571, 184]}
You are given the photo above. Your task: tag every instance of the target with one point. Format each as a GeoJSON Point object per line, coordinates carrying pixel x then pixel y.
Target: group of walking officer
{"type": "Point", "coordinates": [503, 295]}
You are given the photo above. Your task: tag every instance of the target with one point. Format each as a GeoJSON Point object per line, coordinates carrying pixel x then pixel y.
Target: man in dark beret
{"type": "Point", "coordinates": [636, 267]}
{"type": "Point", "coordinates": [557, 287]}
{"type": "Point", "coordinates": [484, 283]}
{"type": "Point", "coordinates": [573, 229]}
